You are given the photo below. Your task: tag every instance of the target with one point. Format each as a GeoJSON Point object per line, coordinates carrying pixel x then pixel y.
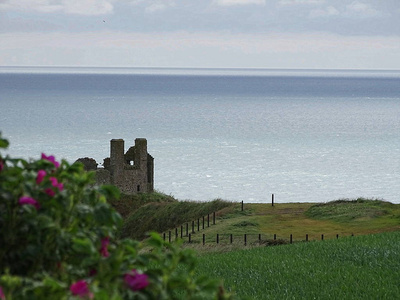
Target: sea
{"type": "Point", "coordinates": [233, 134]}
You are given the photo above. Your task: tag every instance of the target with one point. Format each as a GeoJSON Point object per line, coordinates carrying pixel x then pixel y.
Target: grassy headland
{"type": "Point", "coordinates": [157, 212]}
{"type": "Point", "coordinates": [366, 265]}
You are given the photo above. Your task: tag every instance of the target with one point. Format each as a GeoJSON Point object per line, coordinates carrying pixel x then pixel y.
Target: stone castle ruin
{"type": "Point", "coordinates": [132, 171]}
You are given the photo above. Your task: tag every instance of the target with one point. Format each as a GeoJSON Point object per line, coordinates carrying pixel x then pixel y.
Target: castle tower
{"type": "Point", "coordinates": [141, 154]}
{"type": "Point", "coordinates": [117, 160]}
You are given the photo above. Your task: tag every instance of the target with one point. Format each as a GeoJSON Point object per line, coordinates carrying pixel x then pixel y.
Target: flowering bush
{"type": "Point", "coordinates": [58, 240]}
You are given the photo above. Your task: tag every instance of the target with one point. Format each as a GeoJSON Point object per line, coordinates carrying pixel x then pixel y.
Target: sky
{"type": "Point", "coordinates": [278, 34]}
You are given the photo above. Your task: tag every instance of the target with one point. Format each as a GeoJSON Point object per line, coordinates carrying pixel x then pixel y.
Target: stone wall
{"type": "Point", "coordinates": [132, 172]}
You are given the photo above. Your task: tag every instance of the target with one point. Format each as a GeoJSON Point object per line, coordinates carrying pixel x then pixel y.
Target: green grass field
{"type": "Point", "coordinates": [363, 266]}
{"type": "Point", "coordinates": [360, 267]}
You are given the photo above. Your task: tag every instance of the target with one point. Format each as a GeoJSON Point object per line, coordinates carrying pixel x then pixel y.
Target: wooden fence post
{"type": "Point", "coordinates": [306, 237]}
{"type": "Point", "coordinates": [242, 205]}
{"type": "Point", "coordinates": [337, 236]}
{"type": "Point", "coordinates": [291, 238]}
{"type": "Point", "coordinates": [198, 224]}
{"type": "Point", "coordinates": [272, 200]}
{"type": "Point", "coordinates": [274, 236]}
{"type": "Point", "coordinates": [181, 231]}
{"type": "Point", "coordinates": [322, 237]}
{"type": "Point", "coordinates": [208, 220]}
{"type": "Point", "coordinates": [190, 238]}
{"type": "Point", "coordinates": [259, 238]}
{"type": "Point", "coordinates": [169, 236]}
{"type": "Point", "coordinates": [203, 222]}
{"type": "Point", "coordinates": [231, 238]}
{"type": "Point", "coordinates": [217, 238]}
{"type": "Point", "coordinates": [192, 226]}
{"type": "Point", "coordinates": [164, 236]}
{"type": "Point", "coordinates": [204, 239]}
{"type": "Point", "coordinates": [187, 229]}
{"type": "Point", "coordinates": [214, 218]}
{"type": "Point", "coordinates": [176, 233]}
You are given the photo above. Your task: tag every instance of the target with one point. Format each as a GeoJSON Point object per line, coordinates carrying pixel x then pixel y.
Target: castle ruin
{"type": "Point", "coordinates": [132, 172]}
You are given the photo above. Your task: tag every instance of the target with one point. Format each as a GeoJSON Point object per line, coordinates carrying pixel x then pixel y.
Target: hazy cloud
{"type": "Point", "coordinates": [80, 7]}
{"type": "Point", "coordinates": [239, 2]}
{"type": "Point", "coordinates": [295, 2]}
{"type": "Point", "coordinates": [359, 9]}
{"type": "Point", "coordinates": [324, 12]}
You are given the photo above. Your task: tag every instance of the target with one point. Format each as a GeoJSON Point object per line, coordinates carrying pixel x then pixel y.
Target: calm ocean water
{"type": "Point", "coordinates": [306, 136]}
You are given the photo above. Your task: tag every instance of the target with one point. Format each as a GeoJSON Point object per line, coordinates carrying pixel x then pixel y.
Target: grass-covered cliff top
{"type": "Point", "coordinates": [158, 212]}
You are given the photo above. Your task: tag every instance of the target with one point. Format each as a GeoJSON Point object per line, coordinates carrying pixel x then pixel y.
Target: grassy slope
{"type": "Point", "coordinates": [344, 218]}
{"type": "Point", "coordinates": [161, 213]}
{"type": "Point", "coordinates": [349, 268]}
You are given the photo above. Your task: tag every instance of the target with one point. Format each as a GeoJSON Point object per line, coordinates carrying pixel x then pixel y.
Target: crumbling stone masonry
{"type": "Point", "coordinates": [132, 172]}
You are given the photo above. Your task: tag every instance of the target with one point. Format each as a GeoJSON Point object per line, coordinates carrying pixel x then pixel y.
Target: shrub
{"type": "Point", "coordinates": [57, 237]}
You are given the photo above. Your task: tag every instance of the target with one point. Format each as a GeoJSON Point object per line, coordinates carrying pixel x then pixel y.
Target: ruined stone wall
{"type": "Point", "coordinates": [132, 172]}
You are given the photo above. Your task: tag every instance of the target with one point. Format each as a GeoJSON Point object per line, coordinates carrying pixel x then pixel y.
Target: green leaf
{"type": "Point", "coordinates": [83, 245]}
{"type": "Point", "coordinates": [4, 143]}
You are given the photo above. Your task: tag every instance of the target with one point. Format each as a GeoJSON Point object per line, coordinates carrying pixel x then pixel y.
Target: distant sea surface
{"type": "Point", "coordinates": [235, 134]}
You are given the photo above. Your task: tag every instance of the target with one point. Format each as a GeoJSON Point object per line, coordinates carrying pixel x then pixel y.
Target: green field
{"type": "Point", "coordinates": [360, 267]}
{"type": "Point", "coordinates": [364, 262]}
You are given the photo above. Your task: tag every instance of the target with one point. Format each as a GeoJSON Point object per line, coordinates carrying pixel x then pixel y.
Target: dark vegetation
{"type": "Point", "coordinates": [144, 213]}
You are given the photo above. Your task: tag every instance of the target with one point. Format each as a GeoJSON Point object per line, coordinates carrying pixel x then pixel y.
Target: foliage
{"type": "Point", "coordinates": [360, 267]}
{"type": "Point", "coordinates": [126, 204]}
{"type": "Point", "coordinates": [167, 215]}
{"type": "Point", "coordinates": [346, 210]}
{"type": "Point", "coordinates": [58, 241]}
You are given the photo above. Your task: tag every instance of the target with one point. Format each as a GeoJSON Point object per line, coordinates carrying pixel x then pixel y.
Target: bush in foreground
{"type": "Point", "coordinates": [58, 241]}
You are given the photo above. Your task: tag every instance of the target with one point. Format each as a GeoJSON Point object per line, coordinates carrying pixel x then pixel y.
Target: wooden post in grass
{"type": "Point", "coordinates": [214, 218]}
{"type": "Point", "coordinates": [192, 226]}
{"type": "Point", "coordinates": [181, 231]}
{"type": "Point", "coordinates": [176, 233]}
{"type": "Point", "coordinates": [259, 238]}
{"type": "Point", "coordinates": [272, 200]}
{"type": "Point", "coordinates": [337, 236]}
{"type": "Point", "coordinates": [322, 237]}
{"type": "Point", "coordinates": [187, 229]}
{"type": "Point", "coordinates": [190, 238]}
{"type": "Point", "coordinates": [231, 238]}
{"type": "Point", "coordinates": [274, 236]}
{"type": "Point", "coordinates": [204, 239]}
{"type": "Point", "coordinates": [217, 238]}
{"type": "Point", "coordinates": [203, 222]}
{"type": "Point", "coordinates": [245, 239]}
{"type": "Point", "coordinates": [242, 205]}
{"type": "Point", "coordinates": [198, 224]}
{"type": "Point", "coordinates": [164, 236]}
{"type": "Point", "coordinates": [291, 238]}
{"type": "Point", "coordinates": [306, 237]}
{"type": "Point", "coordinates": [208, 220]}
{"type": "Point", "coordinates": [169, 236]}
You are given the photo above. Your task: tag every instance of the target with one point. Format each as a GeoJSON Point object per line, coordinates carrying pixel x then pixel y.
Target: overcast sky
{"type": "Point", "coordinates": [306, 34]}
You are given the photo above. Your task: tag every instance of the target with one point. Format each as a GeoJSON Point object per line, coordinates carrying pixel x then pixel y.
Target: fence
{"type": "Point", "coordinates": [245, 239]}
{"type": "Point", "coordinates": [187, 232]}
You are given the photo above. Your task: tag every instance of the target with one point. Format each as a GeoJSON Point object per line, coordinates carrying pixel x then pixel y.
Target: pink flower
{"type": "Point", "coordinates": [50, 192]}
{"type": "Point", "coordinates": [104, 243]}
{"type": "Point", "coordinates": [81, 289]}
{"type": "Point", "coordinates": [40, 175]}
{"type": "Point", "coordinates": [56, 184]}
{"type": "Point", "coordinates": [136, 281]}
{"type": "Point", "coordinates": [29, 201]}
{"type": "Point", "coordinates": [51, 159]}
{"type": "Point", "coordinates": [2, 297]}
